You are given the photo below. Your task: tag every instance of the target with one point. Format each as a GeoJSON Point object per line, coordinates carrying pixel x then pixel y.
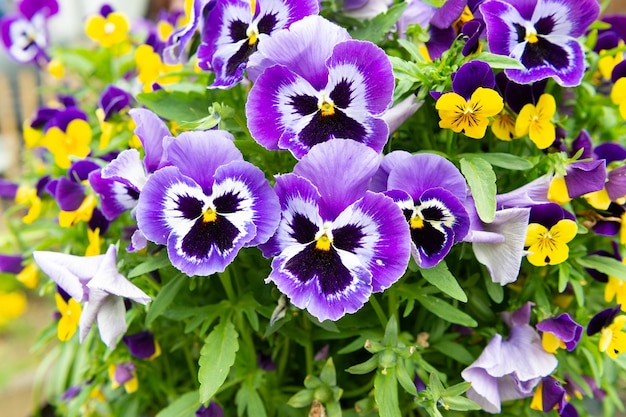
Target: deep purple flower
{"type": "Point", "coordinates": [517, 95]}
{"type": "Point", "coordinates": [208, 205]}
{"type": "Point", "coordinates": [549, 214]}
{"type": "Point", "coordinates": [542, 35]}
{"type": "Point", "coordinates": [564, 328]}
{"type": "Point", "coordinates": [235, 28]}
{"type": "Point", "coordinates": [431, 191]}
{"type": "Point", "coordinates": [8, 189]}
{"type": "Point", "coordinates": [142, 345]}
{"type": "Point", "coordinates": [212, 410]}
{"type": "Point", "coordinates": [314, 84]}
{"type": "Point", "coordinates": [509, 368]}
{"type": "Point", "coordinates": [336, 242]}
{"type": "Point", "coordinates": [71, 392]}
{"type": "Point", "coordinates": [69, 191]}
{"type": "Point", "coordinates": [553, 397]}
{"type": "Point", "coordinates": [25, 35]}
{"type": "Point", "coordinates": [113, 100]}
{"type": "Point", "coordinates": [472, 31]}
{"type": "Point", "coordinates": [11, 264]}
{"type": "Point", "coordinates": [602, 319]}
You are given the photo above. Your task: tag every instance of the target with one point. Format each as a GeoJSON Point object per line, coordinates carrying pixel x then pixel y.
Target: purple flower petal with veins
{"type": "Point", "coordinates": [563, 327]}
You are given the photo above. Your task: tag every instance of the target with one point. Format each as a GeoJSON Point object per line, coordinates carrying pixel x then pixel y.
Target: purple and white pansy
{"type": "Point", "coordinates": [541, 35]}
{"type": "Point", "coordinates": [337, 242]}
{"type": "Point", "coordinates": [313, 83]}
{"type": "Point", "coordinates": [234, 29]}
{"type": "Point", "coordinates": [208, 204]}
{"type": "Point", "coordinates": [431, 191]}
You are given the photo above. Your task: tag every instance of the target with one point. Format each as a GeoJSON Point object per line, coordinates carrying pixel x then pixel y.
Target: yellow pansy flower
{"type": "Point", "coordinates": [12, 305]}
{"type": "Point", "coordinates": [549, 246]}
{"type": "Point", "coordinates": [469, 116]}
{"type": "Point", "coordinates": [28, 197]}
{"type": "Point", "coordinates": [93, 236]}
{"type": "Point", "coordinates": [29, 276]}
{"type": "Point", "coordinates": [107, 31]}
{"type": "Point", "coordinates": [151, 69]}
{"type": "Point", "coordinates": [613, 338]}
{"type": "Point", "coordinates": [70, 316]}
{"type": "Point", "coordinates": [618, 95]}
{"type": "Point", "coordinates": [503, 126]}
{"type": "Point", "coordinates": [83, 212]}
{"type": "Point", "coordinates": [535, 121]}
{"type": "Point", "coordinates": [74, 142]}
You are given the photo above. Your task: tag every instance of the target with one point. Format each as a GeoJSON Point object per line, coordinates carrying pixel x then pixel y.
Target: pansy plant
{"type": "Point", "coordinates": [542, 35]}
{"type": "Point", "coordinates": [337, 242]}
{"type": "Point", "coordinates": [235, 28]}
{"type": "Point", "coordinates": [313, 83]}
{"type": "Point", "coordinates": [550, 229]}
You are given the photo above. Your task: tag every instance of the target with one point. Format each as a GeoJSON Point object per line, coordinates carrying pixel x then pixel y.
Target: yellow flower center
{"type": "Point", "coordinates": [532, 38]}
{"type": "Point", "coordinates": [209, 216]}
{"type": "Point", "coordinates": [253, 34]}
{"type": "Point", "coordinates": [323, 243]}
{"type": "Point", "coordinates": [416, 222]}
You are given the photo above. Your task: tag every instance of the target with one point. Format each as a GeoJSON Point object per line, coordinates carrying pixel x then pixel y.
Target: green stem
{"type": "Point", "coordinates": [357, 392]}
{"type": "Point", "coordinates": [225, 279]}
{"type": "Point", "coordinates": [378, 310]}
{"type": "Point", "coordinates": [308, 346]}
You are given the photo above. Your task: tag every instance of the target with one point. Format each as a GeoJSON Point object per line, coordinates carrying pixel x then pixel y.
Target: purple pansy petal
{"type": "Point", "coordinates": [389, 161]}
{"type": "Point", "coordinates": [175, 50]}
{"type": "Point", "coordinates": [472, 30]}
{"type": "Point", "coordinates": [115, 196]}
{"type": "Point", "coordinates": [552, 394]}
{"type": "Point", "coordinates": [609, 151]}
{"type": "Point", "coordinates": [303, 48]}
{"type": "Point", "coordinates": [450, 11]}
{"type": "Point", "coordinates": [124, 372]}
{"type": "Point", "coordinates": [69, 194]}
{"type": "Point", "coordinates": [137, 241]}
{"type": "Point", "coordinates": [440, 41]}
{"type": "Point", "coordinates": [141, 345]}
{"type": "Point", "coordinates": [8, 189]}
{"type": "Point", "coordinates": [375, 83]}
{"type": "Point", "coordinates": [28, 8]}
{"type": "Point", "coordinates": [79, 171]}
{"type": "Point", "coordinates": [415, 13]}
{"type": "Point", "coordinates": [98, 221]}
{"type": "Point", "coordinates": [212, 410]}
{"type": "Point", "coordinates": [618, 72]}
{"type": "Point", "coordinates": [126, 169]}
{"type": "Point", "coordinates": [585, 177]}
{"type": "Point", "coordinates": [151, 130]}
{"type": "Point", "coordinates": [471, 76]}
{"type": "Point", "coordinates": [113, 100]}
{"type": "Point", "coordinates": [583, 141]}
{"type": "Point", "coordinates": [341, 170]}
{"type": "Point", "coordinates": [563, 327]}
{"type": "Point", "coordinates": [616, 183]}
{"type": "Point", "coordinates": [199, 154]}
{"type": "Point", "coordinates": [569, 19]}
{"type": "Point", "coordinates": [602, 319]}
{"type": "Point", "coordinates": [421, 172]}
{"type": "Point", "coordinates": [549, 214]}
{"type": "Point", "coordinates": [502, 258]}
{"type": "Point", "coordinates": [25, 40]}
{"type": "Point", "coordinates": [11, 264]}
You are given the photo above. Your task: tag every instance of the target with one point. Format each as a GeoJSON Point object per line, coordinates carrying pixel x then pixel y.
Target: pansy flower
{"type": "Point", "coordinates": [25, 35]}
{"type": "Point", "coordinates": [208, 205]}
{"type": "Point", "coordinates": [108, 28]}
{"type": "Point", "coordinates": [472, 101]}
{"type": "Point", "coordinates": [124, 374]}
{"type": "Point", "coordinates": [536, 121]}
{"type": "Point", "coordinates": [431, 191]}
{"type": "Point", "coordinates": [509, 368]}
{"type": "Point", "coordinates": [175, 50]}
{"type": "Point", "coordinates": [213, 409]}
{"type": "Point", "coordinates": [142, 345]}
{"type": "Point", "coordinates": [68, 136]}
{"type": "Point", "coordinates": [551, 395]}
{"type": "Point", "coordinates": [70, 311]}
{"type": "Point", "coordinates": [336, 242]}
{"type": "Point", "coordinates": [550, 229]}
{"type": "Point", "coordinates": [559, 332]}
{"type": "Point", "coordinates": [315, 84]}
{"type": "Point", "coordinates": [113, 100]}
{"type": "Point", "coordinates": [12, 305]}
{"type": "Point", "coordinates": [581, 177]}
{"type": "Point", "coordinates": [234, 29]}
{"type": "Point", "coordinates": [542, 35]}
{"type": "Point", "coordinates": [95, 281]}
{"type": "Point", "coordinates": [610, 325]}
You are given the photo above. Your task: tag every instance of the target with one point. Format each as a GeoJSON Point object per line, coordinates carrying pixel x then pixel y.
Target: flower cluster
{"type": "Point", "coordinates": [400, 205]}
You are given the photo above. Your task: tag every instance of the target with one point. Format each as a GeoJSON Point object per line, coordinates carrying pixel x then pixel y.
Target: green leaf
{"type": "Point", "coordinates": [441, 277]}
{"type": "Point", "coordinates": [455, 351]}
{"type": "Point", "coordinates": [499, 61]}
{"type": "Point", "coordinates": [216, 358]}
{"type": "Point", "coordinates": [459, 403]}
{"type": "Point", "coordinates": [502, 160]}
{"type": "Point", "coordinates": [435, 385]}
{"type": "Point", "coordinates": [365, 367]}
{"type": "Point", "coordinates": [328, 375]}
{"type": "Point", "coordinates": [482, 181]}
{"type": "Point", "coordinates": [405, 380]}
{"type": "Point", "coordinates": [604, 264]}
{"type": "Point", "coordinates": [495, 290]}
{"type": "Point", "coordinates": [301, 398]}
{"type": "Point", "coordinates": [564, 272]}
{"type": "Point", "coordinates": [183, 406]}
{"type": "Point", "coordinates": [386, 393]}
{"type": "Point", "coordinates": [151, 264]}
{"type": "Point", "coordinates": [374, 30]}
{"type": "Point", "coordinates": [391, 332]}
{"type": "Point", "coordinates": [248, 398]}
{"type": "Point", "coordinates": [176, 105]}
{"type": "Point", "coordinates": [164, 298]}
{"type": "Point", "coordinates": [445, 310]}
{"type": "Point", "coordinates": [456, 390]}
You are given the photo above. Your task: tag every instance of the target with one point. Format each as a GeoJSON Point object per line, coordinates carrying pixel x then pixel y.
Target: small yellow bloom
{"type": "Point", "coordinates": [549, 246]}
{"type": "Point", "coordinates": [503, 127]}
{"type": "Point", "coordinates": [607, 62]}
{"type": "Point", "coordinates": [612, 338]}
{"type": "Point", "coordinates": [74, 142]}
{"type": "Point", "coordinates": [616, 288]}
{"type": "Point", "coordinates": [28, 197]}
{"type": "Point", "coordinates": [535, 121]}
{"type": "Point", "coordinates": [469, 116]}
{"type": "Point", "coordinates": [32, 137]}
{"type": "Point", "coordinates": [108, 31]}
{"type": "Point", "coordinates": [12, 305]}
{"type": "Point", "coordinates": [131, 385]}
{"type": "Point", "coordinates": [56, 69]}
{"type": "Point", "coordinates": [29, 276]}
{"type": "Point", "coordinates": [70, 316]}
{"type": "Point", "coordinates": [618, 95]}
{"type": "Point", "coordinates": [151, 69]}
{"type": "Point", "coordinates": [94, 242]}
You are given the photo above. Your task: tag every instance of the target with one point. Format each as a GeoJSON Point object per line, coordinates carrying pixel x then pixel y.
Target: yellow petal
{"type": "Point", "coordinates": [599, 199]}
{"type": "Point", "coordinates": [537, 402]}
{"type": "Point", "coordinates": [551, 343]}
{"type": "Point", "coordinates": [503, 127]}
{"type": "Point", "coordinates": [557, 192]}
{"type": "Point", "coordinates": [542, 133]}
{"type": "Point", "coordinates": [94, 27]}
{"type": "Point", "coordinates": [537, 256]}
{"type": "Point", "coordinates": [29, 276]}
{"type": "Point", "coordinates": [546, 107]}
{"type": "Point", "coordinates": [486, 102]}
{"type": "Point", "coordinates": [564, 231]}
{"type": "Point", "coordinates": [618, 92]}
{"type": "Point", "coordinates": [558, 253]}
{"type": "Point", "coordinates": [524, 118]}
{"type": "Point", "coordinates": [535, 233]}
{"type": "Point", "coordinates": [132, 385]}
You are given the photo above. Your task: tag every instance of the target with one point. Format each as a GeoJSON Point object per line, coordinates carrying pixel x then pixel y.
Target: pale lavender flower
{"type": "Point", "coordinates": [95, 281]}
{"type": "Point", "coordinates": [510, 368]}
